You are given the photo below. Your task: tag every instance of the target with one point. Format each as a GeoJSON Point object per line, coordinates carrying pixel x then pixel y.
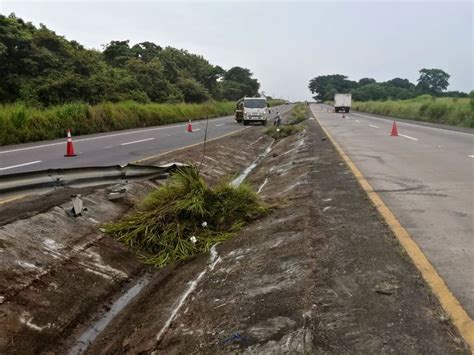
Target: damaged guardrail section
{"type": "Point", "coordinates": [80, 177]}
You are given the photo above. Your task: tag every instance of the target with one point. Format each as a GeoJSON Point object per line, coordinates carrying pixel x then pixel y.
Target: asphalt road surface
{"type": "Point", "coordinates": [113, 148]}
{"type": "Point", "coordinates": [426, 177]}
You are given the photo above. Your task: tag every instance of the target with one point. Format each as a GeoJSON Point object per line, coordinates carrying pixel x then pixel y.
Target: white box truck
{"type": "Point", "coordinates": [251, 109]}
{"type": "Point", "coordinates": [342, 102]}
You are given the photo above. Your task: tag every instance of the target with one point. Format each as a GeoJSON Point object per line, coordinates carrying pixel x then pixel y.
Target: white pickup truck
{"type": "Point", "coordinates": [342, 102]}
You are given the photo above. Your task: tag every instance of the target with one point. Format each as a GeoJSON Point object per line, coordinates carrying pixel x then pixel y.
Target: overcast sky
{"type": "Point", "coordinates": [284, 44]}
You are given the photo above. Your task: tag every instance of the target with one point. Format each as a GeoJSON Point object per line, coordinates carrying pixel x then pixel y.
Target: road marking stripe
{"type": "Point", "coordinates": [106, 136]}
{"type": "Point", "coordinates": [188, 146]}
{"type": "Point", "coordinates": [141, 140]}
{"type": "Point", "coordinates": [220, 124]}
{"type": "Point", "coordinates": [195, 130]}
{"type": "Point", "coordinates": [357, 121]}
{"type": "Point", "coordinates": [448, 301]}
{"type": "Point", "coordinates": [371, 125]}
{"type": "Point", "coordinates": [471, 156]}
{"type": "Point", "coordinates": [411, 124]}
{"type": "Point", "coordinates": [20, 165]}
{"type": "Point", "coordinates": [408, 137]}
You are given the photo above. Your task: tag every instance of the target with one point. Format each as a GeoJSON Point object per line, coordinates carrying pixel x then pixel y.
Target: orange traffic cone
{"type": "Point", "coordinates": [69, 148]}
{"type": "Point", "coordinates": [190, 127]}
{"type": "Point", "coordinates": [394, 129]}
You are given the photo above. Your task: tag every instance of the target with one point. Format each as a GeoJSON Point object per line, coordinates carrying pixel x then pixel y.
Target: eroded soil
{"type": "Point", "coordinates": [320, 274]}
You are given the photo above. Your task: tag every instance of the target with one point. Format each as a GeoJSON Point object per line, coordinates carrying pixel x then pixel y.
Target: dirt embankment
{"type": "Point", "coordinates": [59, 273]}
{"type": "Point", "coordinates": [320, 274]}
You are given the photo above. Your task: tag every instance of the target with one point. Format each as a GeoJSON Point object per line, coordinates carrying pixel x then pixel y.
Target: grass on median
{"type": "Point", "coordinates": [283, 131]}
{"type": "Point", "coordinates": [185, 217]}
{"type": "Point", "coordinates": [299, 113]}
{"type": "Point", "coordinates": [20, 123]}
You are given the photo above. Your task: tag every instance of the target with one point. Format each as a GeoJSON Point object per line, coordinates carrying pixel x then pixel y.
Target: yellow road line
{"type": "Point", "coordinates": [188, 146]}
{"type": "Point", "coordinates": [448, 301]}
{"type": "Point", "coordinates": [11, 199]}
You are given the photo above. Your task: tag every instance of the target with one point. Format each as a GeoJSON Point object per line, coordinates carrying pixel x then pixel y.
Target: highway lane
{"type": "Point", "coordinates": [112, 148]}
{"type": "Point", "coordinates": [426, 177]}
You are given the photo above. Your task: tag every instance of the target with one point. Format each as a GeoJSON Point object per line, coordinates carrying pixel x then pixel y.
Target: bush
{"type": "Point", "coordinates": [444, 110]}
{"type": "Point", "coordinates": [20, 123]}
{"type": "Point", "coordinates": [185, 217]}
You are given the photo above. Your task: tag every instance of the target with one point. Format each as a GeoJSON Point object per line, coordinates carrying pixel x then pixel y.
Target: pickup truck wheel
{"type": "Point", "coordinates": [264, 123]}
{"type": "Point", "coordinates": [246, 123]}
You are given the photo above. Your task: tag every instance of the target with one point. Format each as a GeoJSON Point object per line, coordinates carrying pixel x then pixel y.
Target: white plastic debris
{"type": "Point", "coordinates": [193, 239]}
{"type": "Point", "coordinates": [204, 224]}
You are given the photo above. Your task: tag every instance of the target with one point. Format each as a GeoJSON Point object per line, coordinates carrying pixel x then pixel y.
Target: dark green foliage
{"type": "Point", "coordinates": [431, 81]}
{"type": "Point", "coordinates": [41, 68]}
{"type": "Point", "coordinates": [163, 227]}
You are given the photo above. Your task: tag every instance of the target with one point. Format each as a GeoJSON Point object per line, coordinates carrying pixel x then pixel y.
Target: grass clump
{"type": "Point", "coordinates": [299, 113]}
{"type": "Point", "coordinates": [283, 131]}
{"type": "Point", "coordinates": [185, 217]}
{"type": "Point", "coordinates": [444, 110]}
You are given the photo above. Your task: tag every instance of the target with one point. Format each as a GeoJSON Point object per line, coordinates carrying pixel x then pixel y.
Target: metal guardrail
{"type": "Point", "coordinates": [80, 177]}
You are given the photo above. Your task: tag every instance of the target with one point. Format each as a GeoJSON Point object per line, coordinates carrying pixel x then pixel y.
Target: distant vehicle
{"type": "Point", "coordinates": [251, 109]}
{"type": "Point", "coordinates": [287, 102]}
{"type": "Point", "coordinates": [342, 102]}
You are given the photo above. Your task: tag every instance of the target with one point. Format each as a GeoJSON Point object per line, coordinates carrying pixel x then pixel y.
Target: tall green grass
{"type": "Point", "coordinates": [20, 123]}
{"type": "Point", "coordinates": [276, 102]}
{"type": "Point", "coordinates": [299, 113]}
{"type": "Point", "coordinates": [444, 110]}
{"type": "Point", "coordinates": [185, 217]}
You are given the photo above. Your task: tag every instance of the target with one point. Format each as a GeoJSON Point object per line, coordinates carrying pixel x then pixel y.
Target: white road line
{"type": "Point", "coordinates": [413, 124]}
{"type": "Point", "coordinates": [357, 121]}
{"type": "Point", "coordinates": [371, 125]}
{"type": "Point", "coordinates": [141, 140]}
{"type": "Point", "coordinates": [195, 130]}
{"type": "Point", "coordinates": [20, 165]}
{"type": "Point", "coordinates": [104, 136]}
{"type": "Point", "coordinates": [471, 156]}
{"type": "Point", "coordinates": [408, 137]}
{"type": "Point", "coordinates": [220, 124]}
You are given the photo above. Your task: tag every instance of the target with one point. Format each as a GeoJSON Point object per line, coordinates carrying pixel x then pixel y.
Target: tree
{"type": "Point", "coordinates": [433, 81]}
{"type": "Point", "coordinates": [117, 53]}
{"type": "Point", "coordinates": [326, 85]}
{"type": "Point", "coordinates": [365, 81]}
{"type": "Point", "coordinates": [238, 82]}
{"type": "Point", "coordinates": [401, 83]}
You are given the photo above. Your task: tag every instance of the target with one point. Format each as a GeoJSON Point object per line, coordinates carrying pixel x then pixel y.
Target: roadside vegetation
{"type": "Point", "coordinates": [186, 217]}
{"type": "Point", "coordinates": [299, 113]}
{"type": "Point", "coordinates": [444, 110]}
{"type": "Point", "coordinates": [20, 123]}
{"type": "Point", "coordinates": [49, 84]}
{"type": "Point", "coordinates": [275, 102]}
{"type": "Point", "coordinates": [283, 131]}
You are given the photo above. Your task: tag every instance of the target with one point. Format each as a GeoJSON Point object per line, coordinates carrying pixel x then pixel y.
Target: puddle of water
{"type": "Point", "coordinates": [238, 180]}
{"type": "Point", "coordinates": [93, 331]}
